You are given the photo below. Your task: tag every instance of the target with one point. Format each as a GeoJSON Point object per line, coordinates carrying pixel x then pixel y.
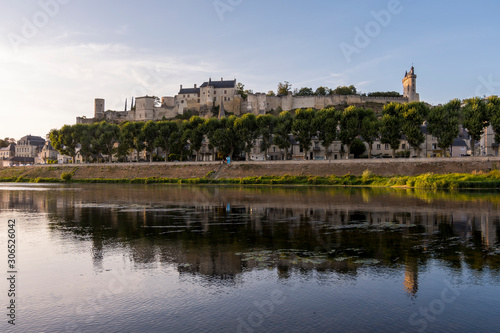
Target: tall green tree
{"type": "Point", "coordinates": [282, 131]}
{"type": "Point", "coordinates": [247, 131]}
{"type": "Point", "coordinates": [132, 137]}
{"type": "Point", "coordinates": [84, 134]}
{"type": "Point", "coordinates": [166, 130]}
{"type": "Point", "coordinates": [105, 137]}
{"type": "Point", "coordinates": [358, 148]}
{"type": "Point", "coordinates": [178, 140]}
{"type": "Point", "coordinates": [322, 91]}
{"type": "Point", "coordinates": [266, 125]}
{"type": "Point", "coordinates": [414, 115]}
{"type": "Point", "coordinates": [475, 119]}
{"type": "Point", "coordinates": [391, 126]}
{"type": "Point", "coordinates": [196, 135]}
{"type": "Point", "coordinates": [443, 123]}
{"type": "Point", "coordinates": [370, 129]}
{"type": "Point", "coordinates": [327, 121]}
{"type": "Point", "coordinates": [64, 141]}
{"type": "Point", "coordinates": [494, 114]}
{"type": "Point", "coordinates": [284, 88]}
{"type": "Point", "coordinates": [303, 128]}
{"type": "Point", "coordinates": [224, 137]}
{"type": "Point", "coordinates": [150, 133]}
{"type": "Point", "coordinates": [344, 90]}
{"type": "Point", "coordinates": [304, 92]}
{"type": "Point", "coordinates": [350, 126]}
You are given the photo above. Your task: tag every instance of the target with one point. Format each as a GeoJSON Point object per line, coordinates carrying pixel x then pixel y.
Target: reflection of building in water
{"type": "Point", "coordinates": [197, 231]}
{"type": "Point", "coordinates": [411, 275]}
{"type": "Point", "coordinates": [489, 230]}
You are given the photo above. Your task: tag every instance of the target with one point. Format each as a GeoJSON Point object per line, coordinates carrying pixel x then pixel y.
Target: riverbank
{"type": "Point", "coordinates": [423, 173]}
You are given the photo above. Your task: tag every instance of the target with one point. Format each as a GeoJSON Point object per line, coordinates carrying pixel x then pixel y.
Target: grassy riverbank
{"type": "Point", "coordinates": [476, 180]}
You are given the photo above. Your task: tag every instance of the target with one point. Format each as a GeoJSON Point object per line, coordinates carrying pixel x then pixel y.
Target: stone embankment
{"type": "Point", "coordinates": [382, 167]}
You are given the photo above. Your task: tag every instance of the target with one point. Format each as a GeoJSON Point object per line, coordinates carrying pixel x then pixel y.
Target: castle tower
{"type": "Point", "coordinates": [99, 108]}
{"type": "Point", "coordinates": [410, 86]}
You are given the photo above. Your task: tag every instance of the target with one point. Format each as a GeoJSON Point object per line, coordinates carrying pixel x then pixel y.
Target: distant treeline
{"type": "Point", "coordinates": [232, 135]}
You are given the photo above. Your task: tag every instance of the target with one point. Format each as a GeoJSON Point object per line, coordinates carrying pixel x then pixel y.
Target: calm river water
{"type": "Point", "coordinates": [133, 258]}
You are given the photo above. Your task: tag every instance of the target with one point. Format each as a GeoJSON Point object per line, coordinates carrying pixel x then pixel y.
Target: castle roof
{"type": "Point", "coordinates": [219, 84]}
{"type": "Point", "coordinates": [189, 91]}
{"type": "Point", "coordinates": [31, 140]}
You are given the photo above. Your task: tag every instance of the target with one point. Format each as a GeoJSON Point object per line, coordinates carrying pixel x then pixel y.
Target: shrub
{"type": "Point", "coordinates": [66, 176]}
{"type": "Point", "coordinates": [367, 175]}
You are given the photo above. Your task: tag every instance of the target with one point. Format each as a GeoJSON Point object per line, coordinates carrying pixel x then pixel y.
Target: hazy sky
{"type": "Point", "coordinates": [56, 56]}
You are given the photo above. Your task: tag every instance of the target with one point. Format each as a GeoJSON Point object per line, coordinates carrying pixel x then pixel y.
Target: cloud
{"type": "Point", "coordinates": [51, 85]}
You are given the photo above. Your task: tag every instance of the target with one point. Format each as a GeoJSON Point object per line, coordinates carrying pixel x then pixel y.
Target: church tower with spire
{"type": "Point", "coordinates": [410, 86]}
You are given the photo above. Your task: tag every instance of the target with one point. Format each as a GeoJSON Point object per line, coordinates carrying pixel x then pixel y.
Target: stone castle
{"type": "Point", "coordinates": [223, 95]}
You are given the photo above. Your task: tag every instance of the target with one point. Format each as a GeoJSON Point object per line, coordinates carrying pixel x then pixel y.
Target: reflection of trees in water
{"type": "Point", "coordinates": [212, 241]}
{"type": "Point", "coordinates": [329, 230]}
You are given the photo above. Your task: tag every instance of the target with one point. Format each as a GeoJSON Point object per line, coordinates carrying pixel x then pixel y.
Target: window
{"type": "Point", "coordinates": [403, 146]}
{"type": "Point", "coordinates": [386, 146]}
{"type": "Point", "coordinates": [434, 146]}
{"type": "Point", "coordinates": [198, 100]}
{"type": "Point", "coordinates": [225, 92]}
{"type": "Point", "coordinates": [225, 99]}
{"type": "Point", "coordinates": [378, 147]}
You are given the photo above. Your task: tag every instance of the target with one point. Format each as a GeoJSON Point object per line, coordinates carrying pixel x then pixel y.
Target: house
{"type": "Point", "coordinates": [8, 152]}
{"type": "Point", "coordinates": [488, 145]}
{"type": "Point", "coordinates": [459, 148]}
{"type": "Point", "coordinates": [29, 146]}
{"type": "Point", "coordinates": [48, 153]}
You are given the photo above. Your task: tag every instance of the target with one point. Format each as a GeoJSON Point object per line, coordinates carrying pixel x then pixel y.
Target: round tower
{"type": "Point", "coordinates": [99, 108]}
{"type": "Point", "coordinates": [410, 86]}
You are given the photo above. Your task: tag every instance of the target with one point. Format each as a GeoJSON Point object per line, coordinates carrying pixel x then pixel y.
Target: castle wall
{"type": "Point", "coordinates": [260, 103]}
{"type": "Point", "coordinates": [168, 112]}
{"type": "Point", "coordinates": [168, 102]}
{"type": "Point", "coordinates": [84, 120]}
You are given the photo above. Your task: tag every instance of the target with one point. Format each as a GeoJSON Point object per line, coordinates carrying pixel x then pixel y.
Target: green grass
{"type": "Point", "coordinates": [490, 180]}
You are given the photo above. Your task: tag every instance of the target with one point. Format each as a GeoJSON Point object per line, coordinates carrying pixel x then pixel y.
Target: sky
{"type": "Point", "coordinates": [57, 56]}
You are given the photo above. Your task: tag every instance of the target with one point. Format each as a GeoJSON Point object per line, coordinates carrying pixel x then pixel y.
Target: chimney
{"type": "Point", "coordinates": [195, 86]}
{"type": "Point", "coordinates": [181, 86]}
{"type": "Point", "coordinates": [209, 81]}
{"type": "Point", "coordinates": [222, 79]}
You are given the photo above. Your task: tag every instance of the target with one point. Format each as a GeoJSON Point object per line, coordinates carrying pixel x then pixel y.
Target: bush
{"type": "Point", "coordinates": [66, 176]}
{"type": "Point", "coordinates": [367, 175]}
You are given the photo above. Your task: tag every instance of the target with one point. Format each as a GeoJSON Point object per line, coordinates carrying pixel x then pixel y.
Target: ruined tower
{"type": "Point", "coordinates": [410, 86]}
{"type": "Point", "coordinates": [99, 108]}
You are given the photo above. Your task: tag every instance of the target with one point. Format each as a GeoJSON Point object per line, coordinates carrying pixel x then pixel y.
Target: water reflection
{"type": "Point", "coordinates": [219, 233]}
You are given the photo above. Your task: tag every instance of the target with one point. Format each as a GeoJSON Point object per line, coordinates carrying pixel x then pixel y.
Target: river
{"type": "Point", "coordinates": [157, 258]}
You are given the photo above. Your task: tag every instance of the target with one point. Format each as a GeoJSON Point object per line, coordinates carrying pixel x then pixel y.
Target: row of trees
{"type": "Point", "coordinates": [6, 142]}
{"type": "Point", "coordinates": [233, 135]}
{"type": "Point", "coordinates": [285, 87]}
